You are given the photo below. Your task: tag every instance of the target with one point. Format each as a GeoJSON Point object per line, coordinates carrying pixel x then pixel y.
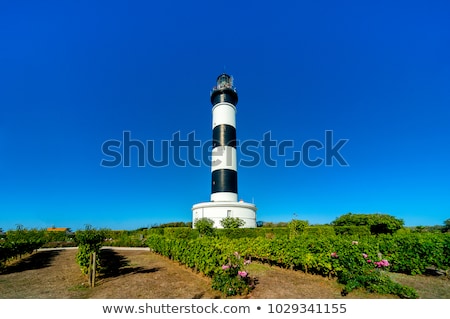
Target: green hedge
{"type": "Point", "coordinates": [352, 258]}
{"type": "Point", "coordinates": [180, 232]}
{"type": "Point", "coordinates": [412, 253]}
{"type": "Point", "coordinates": [16, 243]}
{"type": "Point", "coordinates": [252, 232]}
{"type": "Point", "coordinates": [320, 230]}
{"type": "Point", "coordinates": [352, 230]}
{"type": "Point", "coordinates": [409, 253]}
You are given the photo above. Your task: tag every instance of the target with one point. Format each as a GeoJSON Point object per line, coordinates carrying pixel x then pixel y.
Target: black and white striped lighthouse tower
{"type": "Point", "coordinates": [224, 182]}
{"type": "Point", "coordinates": [223, 167]}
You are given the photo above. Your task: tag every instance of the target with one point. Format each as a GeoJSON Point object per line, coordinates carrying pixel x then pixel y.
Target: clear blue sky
{"type": "Point", "coordinates": [74, 74]}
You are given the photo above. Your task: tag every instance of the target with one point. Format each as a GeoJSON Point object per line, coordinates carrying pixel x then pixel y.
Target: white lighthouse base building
{"type": "Point", "coordinates": [216, 211]}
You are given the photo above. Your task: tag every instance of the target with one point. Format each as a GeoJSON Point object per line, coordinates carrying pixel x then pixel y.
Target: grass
{"type": "Point", "coordinates": [429, 287]}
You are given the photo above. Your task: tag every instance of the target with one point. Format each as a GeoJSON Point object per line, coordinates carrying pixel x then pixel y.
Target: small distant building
{"type": "Point", "coordinates": [59, 229]}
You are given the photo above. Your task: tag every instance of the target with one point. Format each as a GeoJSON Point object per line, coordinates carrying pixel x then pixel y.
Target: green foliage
{"type": "Point", "coordinates": [234, 233]}
{"type": "Point", "coordinates": [377, 282]}
{"type": "Point", "coordinates": [268, 232]}
{"type": "Point", "coordinates": [181, 232]}
{"type": "Point", "coordinates": [232, 278]}
{"type": "Point", "coordinates": [53, 236]}
{"type": "Point", "coordinates": [19, 242]}
{"type": "Point", "coordinates": [343, 256]}
{"type": "Point", "coordinates": [15, 243]}
{"type": "Point", "coordinates": [361, 266]}
{"type": "Point", "coordinates": [204, 254]}
{"type": "Point", "coordinates": [320, 230]}
{"type": "Point", "coordinates": [352, 230]}
{"type": "Point", "coordinates": [205, 226]}
{"type": "Point", "coordinates": [155, 231]}
{"type": "Point", "coordinates": [297, 227]}
{"type": "Point", "coordinates": [446, 227]}
{"type": "Point", "coordinates": [377, 223]}
{"type": "Point", "coordinates": [89, 241]}
{"type": "Point", "coordinates": [174, 224]}
{"type": "Point", "coordinates": [54, 239]}
{"type": "Point", "coordinates": [232, 222]}
{"type": "Point", "coordinates": [273, 225]}
{"type": "Point", "coordinates": [413, 253]}
{"type": "Point", "coordinates": [125, 238]}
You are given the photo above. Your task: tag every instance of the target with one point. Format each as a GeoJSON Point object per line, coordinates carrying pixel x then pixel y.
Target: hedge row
{"type": "Point", "coordinates": [407, 253]}
{"type": "Point", "coordinates": [266, 232]}
{"type": "Point", "coordinates": [353, 259]}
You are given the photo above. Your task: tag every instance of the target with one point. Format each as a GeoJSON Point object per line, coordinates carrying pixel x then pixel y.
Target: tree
{"type": "Point", "coordinates": [205, 226]}
{"type": "Point", "coordinates": [232, 222]}
{"type": "Point", "coordinates": [446, 227]}
{"type": "Point", "coordinates": [377, 223]}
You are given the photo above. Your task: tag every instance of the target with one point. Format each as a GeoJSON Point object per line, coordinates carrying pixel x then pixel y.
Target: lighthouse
{"type": "Point", "coordinates": [223, 166]}
{"type": "Point", "coordinates": [224, 179]}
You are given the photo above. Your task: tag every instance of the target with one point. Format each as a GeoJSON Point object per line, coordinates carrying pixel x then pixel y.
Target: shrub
{"type": "Point", "coordinates": [232, 278]}
{"type": "Point", "coordinates": [357, 268]}
{"type": "Point", "coordinates": [320, 230]}
{"type": "Point", "coordinates": [413, 253]}
{"type": "Point", "coordinates": [297, 227]}
{"type": "Point", "coordinates": [377, 223]}
{"type": "Point", "coordinates": [205, 226]}
{"type": "Point", "coordinates": [180, 232]}
{"type": "Point", "coordinates": [88, 241]}
{"type": "Point", "coordinates": [232, 222]}
{"type": "Point", "coordinates": [352, 230]}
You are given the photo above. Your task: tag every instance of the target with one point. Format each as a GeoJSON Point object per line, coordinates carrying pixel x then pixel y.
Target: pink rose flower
{"type": "Point", "coordinates": [382, 263]}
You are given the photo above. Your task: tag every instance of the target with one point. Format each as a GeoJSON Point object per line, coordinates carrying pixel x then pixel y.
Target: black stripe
{"type": "Point", "coordinates": [224, 180]}
{"type": "Point", "coordinates": [224, 135]}
{"type": "Point", "coordinates": [224, 95]}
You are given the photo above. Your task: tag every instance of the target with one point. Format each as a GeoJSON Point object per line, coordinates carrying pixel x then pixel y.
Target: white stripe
{"type": "Point", "coordinates": [223, 157]}
{"type": "Point", "coordinates": [224, 113]}
{"type": "Point", "coordinates": [224, 197]}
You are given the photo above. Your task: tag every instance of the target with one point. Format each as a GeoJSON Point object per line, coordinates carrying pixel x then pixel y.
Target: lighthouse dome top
{"type": "Point", "coordinates": [224, 91]}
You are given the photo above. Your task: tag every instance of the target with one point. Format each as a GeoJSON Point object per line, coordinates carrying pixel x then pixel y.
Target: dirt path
{"type": "Point", "coordinates": [139, 274]}
{"type": "Point", "coordinates": [46, 274]}
{"type": "Point", "coordinates": [128, 274]}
